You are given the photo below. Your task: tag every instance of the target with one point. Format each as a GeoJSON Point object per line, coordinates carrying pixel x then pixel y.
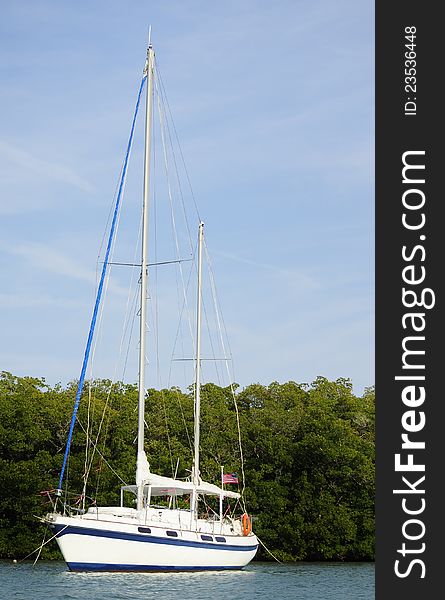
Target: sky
{"type": "Point", "coordinates": [274, 107]}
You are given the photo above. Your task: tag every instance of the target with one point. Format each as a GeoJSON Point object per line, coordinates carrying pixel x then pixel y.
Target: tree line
{"type": "Point", "coordinates": [308, 454]}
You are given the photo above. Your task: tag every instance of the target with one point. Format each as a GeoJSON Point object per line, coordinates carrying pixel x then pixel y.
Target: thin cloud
{"type": "Point", "coordinates": [47, 258]}
{"type": "Point", "coordinates": [45, 169]}
{"type": "Point", "coordinates": [305, 281]}
{"type": "Point", "coordinates": [28, 300]}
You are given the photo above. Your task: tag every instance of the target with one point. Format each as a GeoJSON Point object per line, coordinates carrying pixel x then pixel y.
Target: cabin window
{"type": "Point", "coordinates": [207, 538]}
{"type": "Point", "coordinates": [172, 533]}
{"type": "Point", "coordinates": [219, 538]}
{"type": "Point", "coordinates": [144, 529]}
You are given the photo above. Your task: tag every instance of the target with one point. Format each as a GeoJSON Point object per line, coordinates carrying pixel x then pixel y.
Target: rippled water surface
{"type": "Point", "coordinates": [315, 581]}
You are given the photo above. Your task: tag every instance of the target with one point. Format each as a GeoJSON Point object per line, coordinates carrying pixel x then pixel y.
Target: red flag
{"type": "Point", "coordinates": [230, 478]}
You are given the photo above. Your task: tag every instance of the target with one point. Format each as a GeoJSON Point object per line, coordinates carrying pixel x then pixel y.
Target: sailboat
{"type": "Point", "coordinates": [146, 536]}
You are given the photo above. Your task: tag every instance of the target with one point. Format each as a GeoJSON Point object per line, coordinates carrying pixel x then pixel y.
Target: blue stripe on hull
{"type": "Point", "coordinates": [141, 568]}
{"type": "Point", "coordinates": [147, 538]}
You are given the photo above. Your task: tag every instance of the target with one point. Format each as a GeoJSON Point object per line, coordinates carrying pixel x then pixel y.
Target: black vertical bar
{"type": "Point", "coordinates": [409, 119]}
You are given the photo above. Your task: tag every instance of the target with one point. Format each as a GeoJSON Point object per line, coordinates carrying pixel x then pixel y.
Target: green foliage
{"type": "Point", "coordinates": [308, 456]}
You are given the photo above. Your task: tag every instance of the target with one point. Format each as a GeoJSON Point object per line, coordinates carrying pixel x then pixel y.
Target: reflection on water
{"type": "Point", "coordinates": [299, 581]}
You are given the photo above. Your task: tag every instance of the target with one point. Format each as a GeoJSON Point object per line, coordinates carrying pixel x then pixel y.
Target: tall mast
{"type": "Point", "coordinates": [141, 458]}
{"type": "Point", "coordinates": [198, 357]}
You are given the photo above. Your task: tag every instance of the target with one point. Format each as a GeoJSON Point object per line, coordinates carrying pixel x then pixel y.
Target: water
{"type": "Point", "coordinates": [301, 581]}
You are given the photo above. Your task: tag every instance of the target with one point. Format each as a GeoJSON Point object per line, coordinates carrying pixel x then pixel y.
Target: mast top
{"type": "Point", "coordinates": [149, 51]}
{"type": "Point", "coordinates": [149, 36]}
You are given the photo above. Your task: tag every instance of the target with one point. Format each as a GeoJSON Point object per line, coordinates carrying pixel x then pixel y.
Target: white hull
{"type": "Point", "coordinates": [106, 545]}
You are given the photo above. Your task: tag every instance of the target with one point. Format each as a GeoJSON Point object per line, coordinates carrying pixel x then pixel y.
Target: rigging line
{"type": "Point", "coordinates": [178, 331]}
{"type": "Point", "coordinates": [180, 322]}
{"type": "Point", "coordinates": [164, 101]}
{"type": "Point", "coordinates": [96, 342]}
{"type": "Point", "coordinates": [178, 398]}
{"type": "Point", "coordinates": [217, 312]}
{"type": "Point", "coordinates": [204, 306]}
{"type": "Point", "coordinates": [168, 433]}
{"type": "Point", "coordinates": [164, 126]}
{"type": "Point", "coordinates": [152, 329]}
{"type": "Point", "coordinates": [103, 457]}
{"type": "Point", "coordinates": [190, 359]}
{"type": "Point", "coordinates": [204, 377]}
{"type": "Point", "coordinates": [221, 314]}
{"type": "Point", "coordinates": [41, 545]}
{"type": "Point", "coordinates": [108, 274]}
{"type": "Point", "coordinates": [156, 280]}
{"type": "Point", "coordinates": [96, 445]}
{"type": "Point", "coordinates": [181, 312]}
{"type": "Point", "coordinates": [133, 305]}
{"type": "Point", "coordinates": [177, 141]}
{"type": "Point", "coordinates": [65, 499]}
{"type": "Point", "coordinates": [110, 387]}
{"type": "Point", "coordinates": [125, 325]}
{"type": "Point", "coordinates": [130, 334]}
{"type": "Point", "coordinates": [99, 467]}
{"type": "Point", "coordinates": [110, 212]}
{"type": "Point", "coordinates": [173, 498]}
{"type": "Point", "coordinates": [105, 413]}
{"type": "Point", "coordinates": [107, 402]}
{"type": "Point", "coordinates": [132, 289]}
{"type": "Point", "coordinates": [211, 343]}
{"type": "Point", "coordinates": [99, 295]}
{"type": "Point", "coordinates": [165, 154]}
{"type": "Point", "coordinates": [155, 264]}
{"type": "Point", "coordinates": [87, 434]}
{"type": "Point", "coordinates": [267, 550]}
{"type": "Point", "coordinates": [172, 215]}
{"type": "Point", "coordinates": [91, 387]}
